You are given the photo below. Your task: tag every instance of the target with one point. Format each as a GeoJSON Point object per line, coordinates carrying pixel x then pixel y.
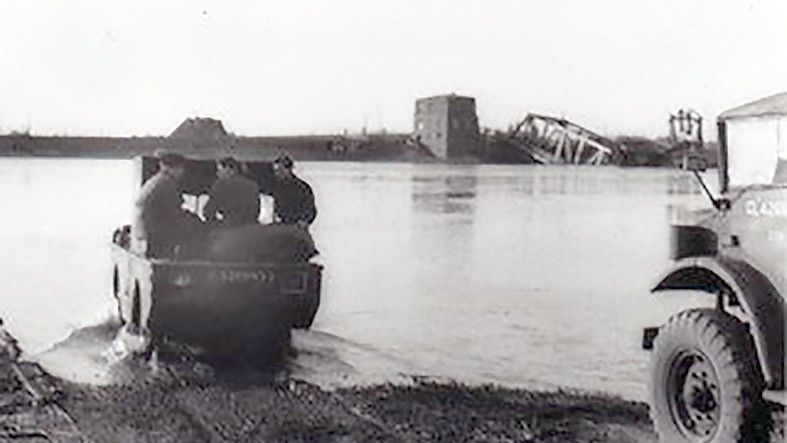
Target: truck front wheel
{"type": "Point", "coordinates": [705, 380]}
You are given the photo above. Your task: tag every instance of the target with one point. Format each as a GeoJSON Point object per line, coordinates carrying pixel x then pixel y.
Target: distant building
{"type": "Point", "coordinates": [447, 125]}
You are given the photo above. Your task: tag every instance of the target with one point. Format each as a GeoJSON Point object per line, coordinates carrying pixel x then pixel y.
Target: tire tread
{"type": "Point", "coordinates": [735, 364]}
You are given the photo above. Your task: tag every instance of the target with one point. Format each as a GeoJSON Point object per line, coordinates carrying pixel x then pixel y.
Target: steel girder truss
{"type": "Point", "coordinates": [552, 140]}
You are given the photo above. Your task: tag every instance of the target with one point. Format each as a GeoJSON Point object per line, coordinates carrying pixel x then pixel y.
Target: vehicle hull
{"type": "Point", "coordinates": [222, 307]}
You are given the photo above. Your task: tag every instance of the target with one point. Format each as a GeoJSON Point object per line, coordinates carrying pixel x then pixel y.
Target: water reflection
{"type": "Point", "coordinates": [449, 194]}
{"type": "Point", "coordinates": [571, 180]}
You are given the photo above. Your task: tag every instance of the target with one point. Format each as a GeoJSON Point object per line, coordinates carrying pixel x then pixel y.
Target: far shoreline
{"type": "Point", "coordinates": [375, 148]}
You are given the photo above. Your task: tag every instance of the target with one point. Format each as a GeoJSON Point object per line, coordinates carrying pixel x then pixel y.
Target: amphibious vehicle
{"type": "Point", "coordinates": [243, 292]}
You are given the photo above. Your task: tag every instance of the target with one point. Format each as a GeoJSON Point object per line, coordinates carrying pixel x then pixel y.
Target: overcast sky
{"type": "Point", "coordinates": [300, 67]}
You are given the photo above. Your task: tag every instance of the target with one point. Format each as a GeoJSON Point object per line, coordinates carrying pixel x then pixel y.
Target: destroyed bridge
{"type": "Point", "coordinates": [551, 140]}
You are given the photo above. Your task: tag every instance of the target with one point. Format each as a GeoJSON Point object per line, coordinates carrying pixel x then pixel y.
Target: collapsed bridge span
{"type": "Point", "coordinates": [550, 140]}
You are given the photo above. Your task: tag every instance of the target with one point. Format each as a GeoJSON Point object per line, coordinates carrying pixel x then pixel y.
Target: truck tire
{"type": "Point", "coordinates": [705, 383]}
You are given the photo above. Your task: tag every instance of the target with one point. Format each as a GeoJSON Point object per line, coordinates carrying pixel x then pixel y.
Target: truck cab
{"type": "Point", "coordinates": [714, 370]}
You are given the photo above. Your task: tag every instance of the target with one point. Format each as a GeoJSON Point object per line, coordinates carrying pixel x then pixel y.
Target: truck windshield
{"type": "Point", "coordinates": [757, 151]}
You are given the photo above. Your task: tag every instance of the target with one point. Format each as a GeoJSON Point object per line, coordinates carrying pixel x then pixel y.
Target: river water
{"type": "Point", "coordinates": [524, 276]}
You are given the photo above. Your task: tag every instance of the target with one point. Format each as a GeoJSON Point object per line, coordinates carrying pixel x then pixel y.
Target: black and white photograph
{"type": "Point", "coordinates": [517, 221]}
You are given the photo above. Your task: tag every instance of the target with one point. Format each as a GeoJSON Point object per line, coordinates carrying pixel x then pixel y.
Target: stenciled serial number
{"type": "Point", "coordinates": [242, 276]}
{"type": "Point", "coordinates": [758, 207]}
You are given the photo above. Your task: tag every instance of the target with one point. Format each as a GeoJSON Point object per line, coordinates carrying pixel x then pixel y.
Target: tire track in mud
{"type": "Point", "coordinates": [216, 405]}
{"type": "Point", "coordinates": [185, 397]}
{"type": "Point", "coordinates": [192, 398]}
{"type": "Point", "coordinates": [215, 411]}
{"type": "Point", "coordinates": [184, 401]}
{"type": "Point", "coordinates": [249, 413]}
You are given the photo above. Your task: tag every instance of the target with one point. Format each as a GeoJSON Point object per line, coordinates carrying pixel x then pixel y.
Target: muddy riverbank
{"type": "Point", "coordinates": [192, 401]}
{"type": "Point", "coordinates": [181, 395]}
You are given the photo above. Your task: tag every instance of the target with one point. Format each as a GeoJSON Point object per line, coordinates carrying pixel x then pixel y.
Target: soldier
{"type": "Point", "coordinates": [293, 198]}
{"type": "Point", "coordinates": [160, 225]}
{"type": "Point", "coordinates": [234, 200]}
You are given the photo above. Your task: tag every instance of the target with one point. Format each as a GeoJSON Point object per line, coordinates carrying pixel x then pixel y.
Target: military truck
{"type": "Point", "coordinates": [713, 369]}
{"type": "Point", "coordinates": [240, 295]}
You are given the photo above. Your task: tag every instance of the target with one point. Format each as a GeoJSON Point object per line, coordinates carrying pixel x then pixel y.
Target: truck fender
{"type": "Point", "coordinates": [752, 290]}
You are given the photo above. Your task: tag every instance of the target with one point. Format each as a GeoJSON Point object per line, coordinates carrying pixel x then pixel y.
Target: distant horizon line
{"type": "Point", "coordinates": [311, 134]}
{"type": "Point", "coordinates": [16, 133]}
